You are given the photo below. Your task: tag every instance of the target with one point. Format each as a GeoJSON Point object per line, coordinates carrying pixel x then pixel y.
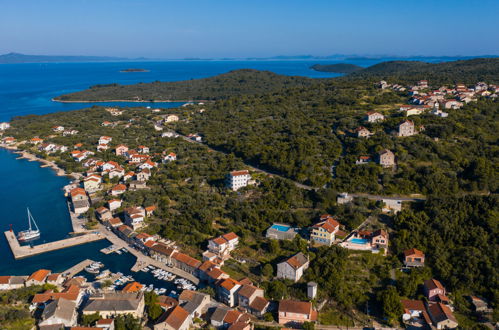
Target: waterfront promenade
{"type": "Point", "coordinates": [142, 259]}
{"type": "Point", "coordinates": [24, 251]}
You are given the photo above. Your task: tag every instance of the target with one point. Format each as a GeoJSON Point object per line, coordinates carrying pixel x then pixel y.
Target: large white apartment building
{"type": "Point", "coordinates": [238, 179]}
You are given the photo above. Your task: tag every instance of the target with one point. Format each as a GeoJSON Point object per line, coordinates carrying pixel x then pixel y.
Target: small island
{"type": "Point", "coordinates": [336, 68]}
{"type": "Point", "coordinates": [134, 70]}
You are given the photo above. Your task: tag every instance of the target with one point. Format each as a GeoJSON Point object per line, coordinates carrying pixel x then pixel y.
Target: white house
{"type": "Point", "coordinates": [169, 158]}
{"type": "Point", "coordinates": [238, 179]}
{"type": "Point", "coordinates": [171, 118]}
{"type": "Point", "coordinates": [373, 117]}
{"type": "Point", "coordinates": [4, 126]}
{"type": "Point", "coordinates": [105, 139]}
{"type": "Point", "coordinates": [134, 217]}
{"type": "Point", "coordinates": [147, 164]}
{"type": "Point", "coordinates": [114, 204]}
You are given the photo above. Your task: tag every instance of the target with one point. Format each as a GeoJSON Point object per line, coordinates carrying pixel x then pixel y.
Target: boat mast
{"type": "Point", "coordinates": [30, 217]}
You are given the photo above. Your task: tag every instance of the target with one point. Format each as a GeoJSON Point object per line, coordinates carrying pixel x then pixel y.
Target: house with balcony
{"type": "Point", "coordinates": [323, 232]}
{"type": "Point", "coordinates": [227, 291]}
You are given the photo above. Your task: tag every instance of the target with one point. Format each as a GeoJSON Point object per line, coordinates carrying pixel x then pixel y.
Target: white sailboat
{"type": "Point", "coordinates": [30, 234]}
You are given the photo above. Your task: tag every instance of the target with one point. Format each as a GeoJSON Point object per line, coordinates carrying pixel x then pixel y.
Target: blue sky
{"type": "Point", "coordinates": [243, 28]}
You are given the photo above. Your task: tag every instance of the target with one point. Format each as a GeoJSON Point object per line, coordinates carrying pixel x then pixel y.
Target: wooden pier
{"type": "Point", "coordinates": [25, 251]}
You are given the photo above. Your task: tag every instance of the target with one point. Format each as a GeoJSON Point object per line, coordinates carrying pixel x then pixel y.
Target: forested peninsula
{"type": "Point", "coordinates": [251, 82]}
{"type": "Point", "coordinates": [336, 68]}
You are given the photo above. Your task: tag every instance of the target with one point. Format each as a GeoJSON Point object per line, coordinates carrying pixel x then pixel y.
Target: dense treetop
{"type": "Point", "coordinates": [233, 83]}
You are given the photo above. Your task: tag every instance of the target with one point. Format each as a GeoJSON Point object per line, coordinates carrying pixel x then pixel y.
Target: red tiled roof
{"type": "Point", "coordinates": [219, 240]}
{"type": "Point", "coordinates": [412, 252]}
{"type": "Point", "coordinates": [163, 249]}
{"type": "Point", "coordinates": [230, 236]}
{"type": "Point", "coordinates": [433, 284]}
{"type": "Point", "coordinates": [149, 244]}
{"type": "Point", "coordinates": [119, 187]}
{"type": "Point", "coordinates": [53, 277]}
{"type": "Point", "coordinates": [78, 191]}
{"type": "Point", "coordinates": [413, 305]}
{"type": "Point", "coordinates": [151, 208]}
{"type": "Point", "coordinates": [216, 273]}
{"type": "Point", "coordinates": [232, 316]}
{"type": "Point", "coordinates": [330, 225]}
{"type": "Point", "coordinates": [259, 304]}
{"type": "Point", "coordinates": [207, 265]}
{"type": "Point", "coordinates": [114, 221]}
{"type": "Point", "coordinates": [167, 302]}
{"type": "Point", "coordinates": [237, 173]}
{"type": "Point", "coordinates": [71, 293]}
{"type": "Point", "coordinates": [298, 307]}
{"type": "Point", "coordinates": [229, 284]}
{"type": "Point", "coordinates": [132, 287]}
{"type": "Point", "coordinates": [39, 275]}
{"type": "Point", "coordinates": [177, 317]}
{"type": "Point", "coordinates": [247, 290]}
{"type": "Point", "coordinates": [184, 258]}
{"type": "Point", "coordinates": [4, 279]}
{"type": "Point", "coordinates": [439, 312]}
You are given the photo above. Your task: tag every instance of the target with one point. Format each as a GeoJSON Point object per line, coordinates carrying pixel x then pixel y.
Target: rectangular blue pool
{"type": "Point", "coordinates": [359, 241]}
{"type": "Point", "coordinates": [281, 227]}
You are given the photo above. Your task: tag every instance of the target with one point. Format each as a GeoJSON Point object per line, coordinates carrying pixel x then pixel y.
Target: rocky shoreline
{"type": "Point", "coordinates": [45, 163]}
{"type": "Point", "coordinates": [135, 101]}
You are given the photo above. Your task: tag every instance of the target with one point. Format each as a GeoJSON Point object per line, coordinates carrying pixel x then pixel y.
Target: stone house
{"type": "Point", "coordinates": [293, 267]}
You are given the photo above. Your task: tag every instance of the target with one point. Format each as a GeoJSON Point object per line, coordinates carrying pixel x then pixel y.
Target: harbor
{"type": "Point", "coordinates": [23, 251]}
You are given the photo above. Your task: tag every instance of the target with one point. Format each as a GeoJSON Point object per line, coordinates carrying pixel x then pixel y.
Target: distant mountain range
{"type": "Point", "coordinates": [25, 58]}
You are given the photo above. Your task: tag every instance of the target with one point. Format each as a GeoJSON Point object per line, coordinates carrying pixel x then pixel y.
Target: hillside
{"type": "Point", "coordinates": [336, 68]}
{"type": "Point", "coordinates": [233, 83]}
{"type": "Point", "coordinates": [465, 71]}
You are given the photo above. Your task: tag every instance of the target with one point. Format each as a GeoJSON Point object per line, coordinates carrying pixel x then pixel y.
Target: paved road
{"type": "Point", "coordinates": [252, 167]}
{"type": "Point", "coordinates": [404, 198]}
{"type": "Point", "coordinates": [304, 186]}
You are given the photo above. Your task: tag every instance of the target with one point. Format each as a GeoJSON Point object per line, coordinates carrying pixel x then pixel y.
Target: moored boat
{"type": "Point", "coordinates": [29, 234]}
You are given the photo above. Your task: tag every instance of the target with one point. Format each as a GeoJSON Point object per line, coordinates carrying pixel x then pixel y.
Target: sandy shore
{"type": "Point", "coordinates": [135, 101]}
{"type": "Point", "coordinates": [45, 163]}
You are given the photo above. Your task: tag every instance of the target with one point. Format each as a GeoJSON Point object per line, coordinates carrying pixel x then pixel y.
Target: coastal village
{"type": "Point", "coordinates": [208, 294]}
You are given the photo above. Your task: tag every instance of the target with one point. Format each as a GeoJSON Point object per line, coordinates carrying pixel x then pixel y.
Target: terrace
{"type": "Point", "coordinates": [281, 232]}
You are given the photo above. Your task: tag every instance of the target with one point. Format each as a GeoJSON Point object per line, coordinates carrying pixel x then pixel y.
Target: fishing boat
{"type": "Point", "coordinates": [30, 234]}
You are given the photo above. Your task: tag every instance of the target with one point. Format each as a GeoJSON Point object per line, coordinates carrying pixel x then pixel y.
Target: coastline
{"type": "Point", "coordinates": [45, 163]}
{"type": "Point", "coordinates": [135, 101]}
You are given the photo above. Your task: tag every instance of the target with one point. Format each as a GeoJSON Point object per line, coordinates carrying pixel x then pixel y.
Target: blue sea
{"type": "Point", "coordinates": [28, 89]}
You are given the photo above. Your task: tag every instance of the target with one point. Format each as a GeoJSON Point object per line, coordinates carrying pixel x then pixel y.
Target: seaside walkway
{"type": "Point", "coordinates": [142, 259]}
{"type": "Point", "coordinates": [24, 251]}
{"type": "Point", "coordinates": [77, 268]}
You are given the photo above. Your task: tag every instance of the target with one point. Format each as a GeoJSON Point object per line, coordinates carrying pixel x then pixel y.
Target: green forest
{"type": "Point", "coordinates": [233, 83]}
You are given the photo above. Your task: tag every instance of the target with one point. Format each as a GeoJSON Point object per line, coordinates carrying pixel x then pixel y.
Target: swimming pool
{"type": "Point", "coordinates": [281, 227]}
{"type": "Point", "coordinates": [359, 241]}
